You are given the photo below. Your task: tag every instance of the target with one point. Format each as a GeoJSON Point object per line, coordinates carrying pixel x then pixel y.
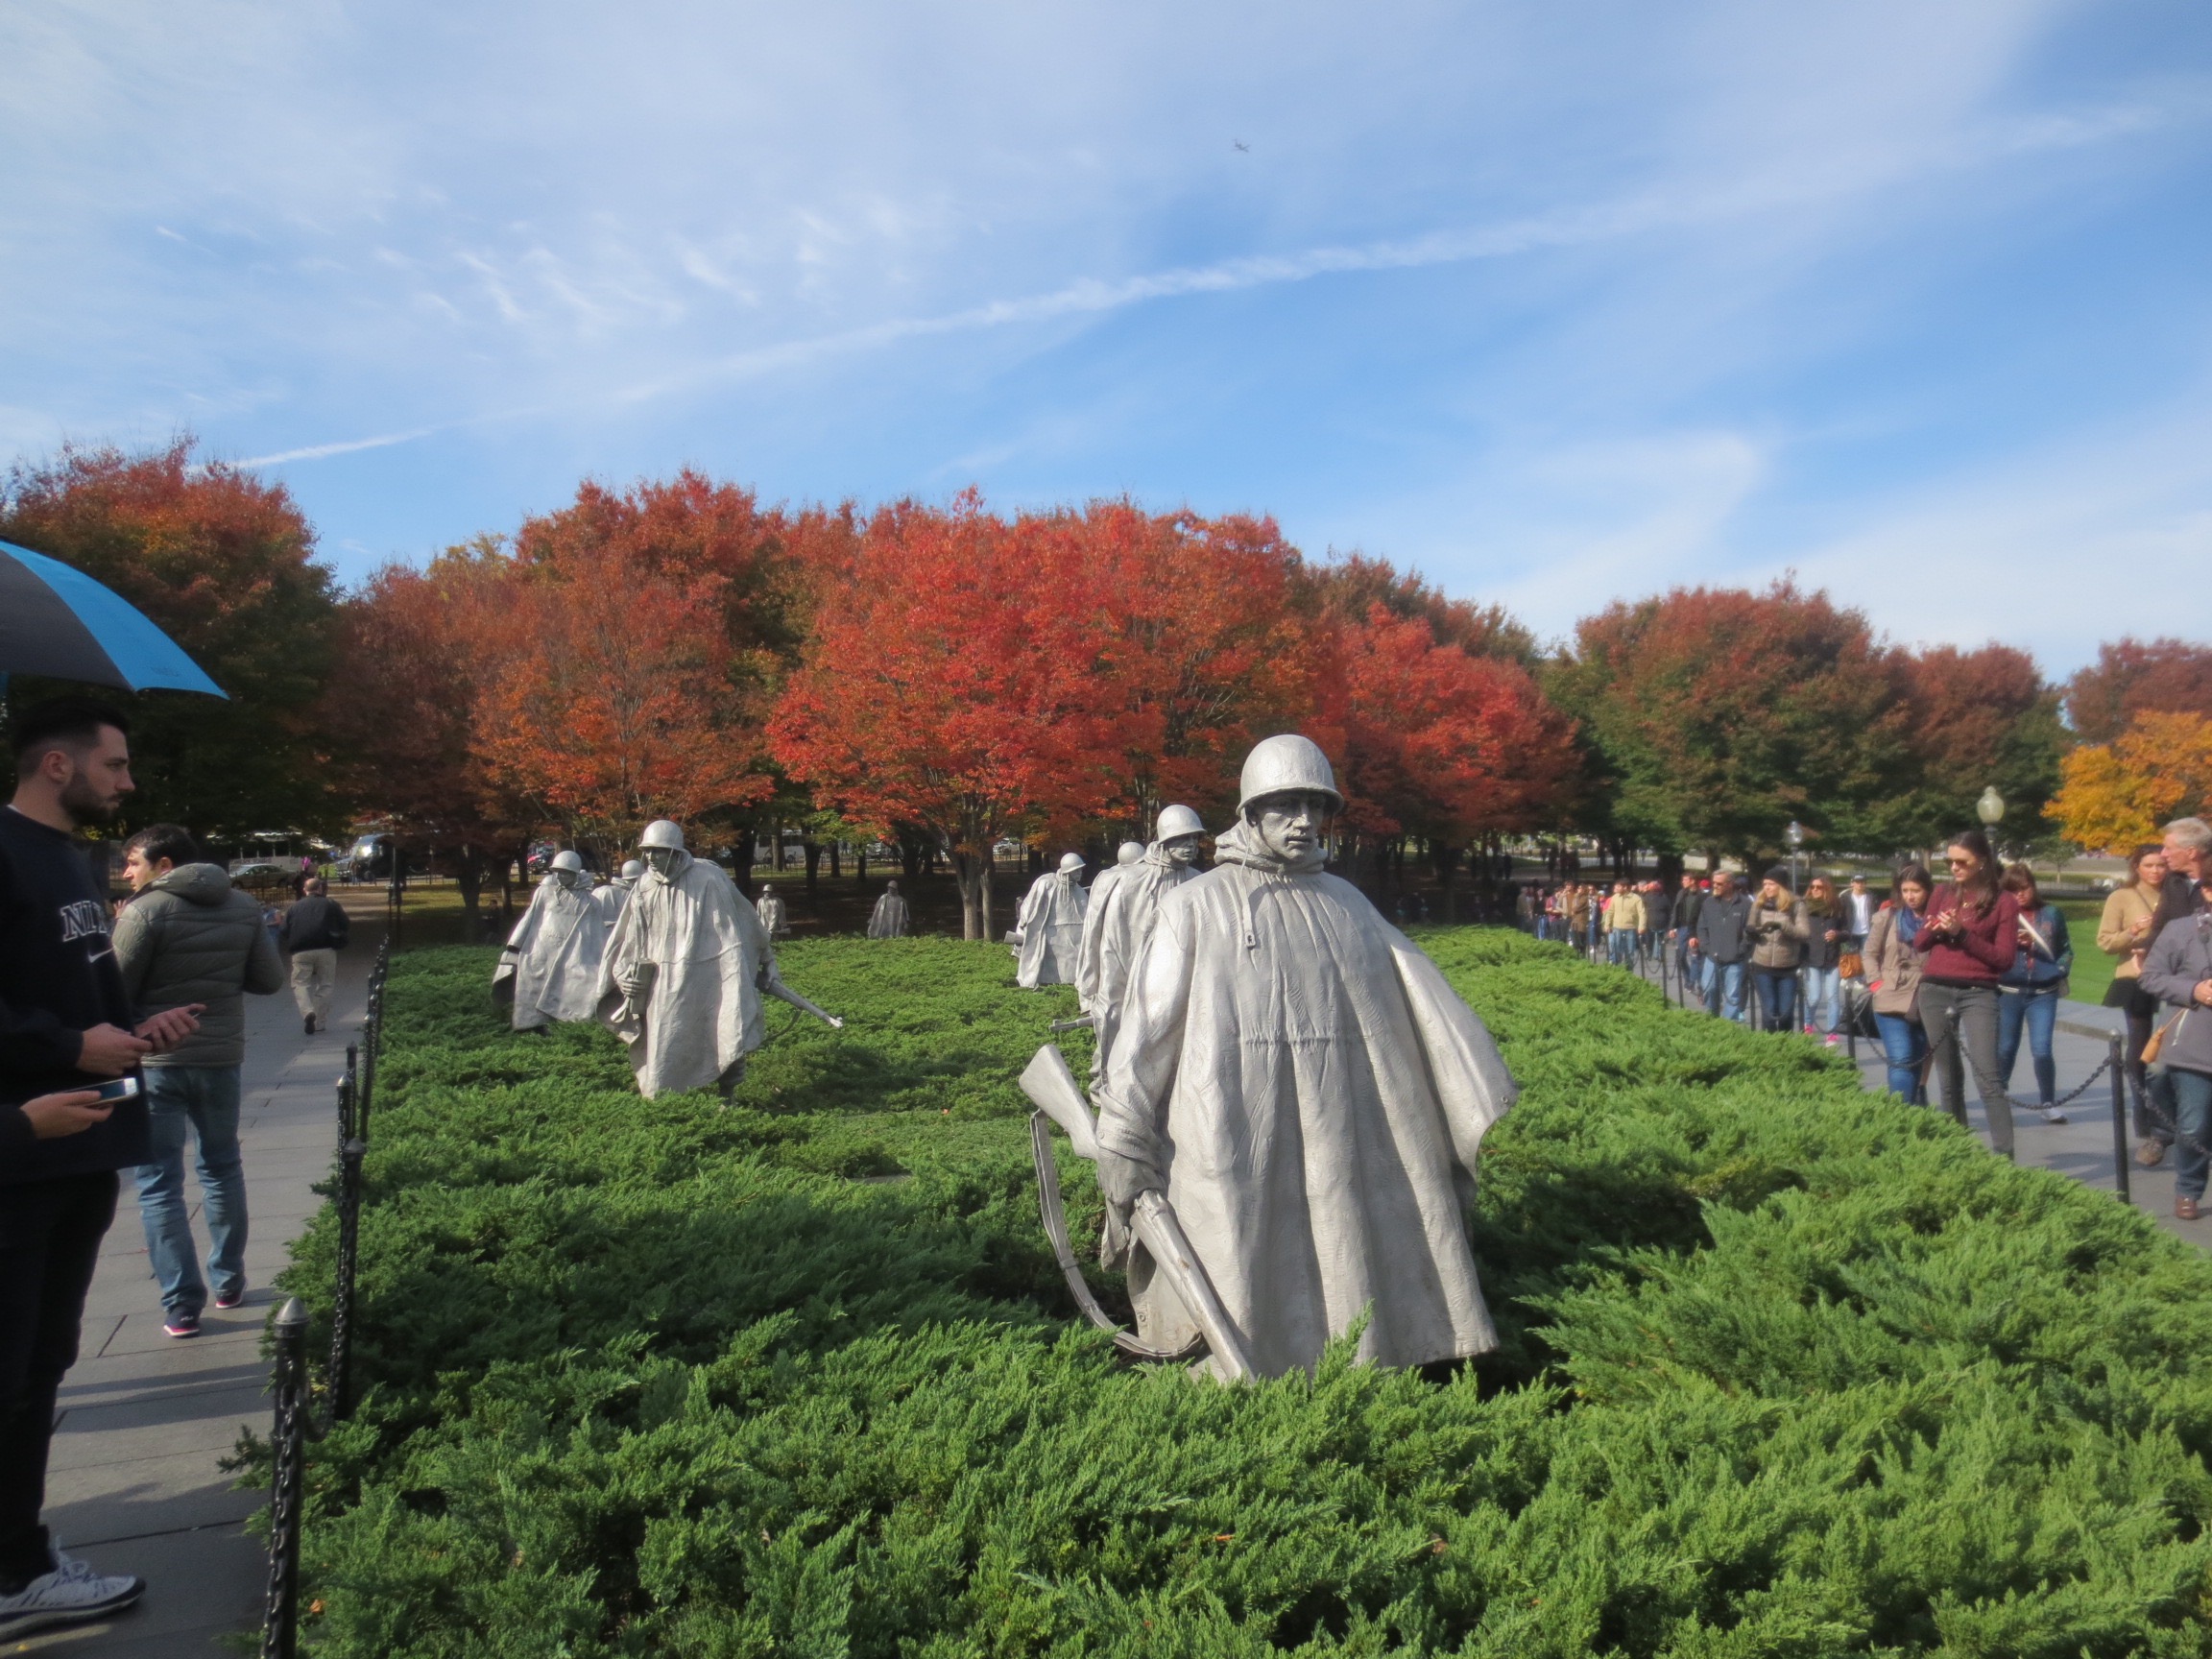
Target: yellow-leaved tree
{"type": "Point", "coordinates": [2114, 795]}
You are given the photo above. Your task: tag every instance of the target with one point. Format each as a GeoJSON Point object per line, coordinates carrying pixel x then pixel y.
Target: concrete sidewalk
{"type": "Point", "coordinates": [133, 1485]}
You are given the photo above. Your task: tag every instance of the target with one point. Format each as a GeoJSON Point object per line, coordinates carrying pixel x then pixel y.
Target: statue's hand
{"type": "Point", "coordinates": [1123, 1179]}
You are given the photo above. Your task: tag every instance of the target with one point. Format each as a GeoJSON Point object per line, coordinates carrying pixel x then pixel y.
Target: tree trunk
{"type": "Point", "coordinates": [837, 865]}
{"type": "Point", "coordinates": [813, 851]}
{"type": "Point", "coordinates": [859, 866]}
{"type": "Point", "coordinates": [468, 877]}
{"type": "Point", "coordinates": [1447, 861]}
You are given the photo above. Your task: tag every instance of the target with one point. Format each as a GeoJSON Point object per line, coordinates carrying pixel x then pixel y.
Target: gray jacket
{"type": "Point", "coordinates": [2181, 959]}
{"type": "Point", "coordinates": [1722, 925]}
{"type": "Point", "coordinates": [193, 937]}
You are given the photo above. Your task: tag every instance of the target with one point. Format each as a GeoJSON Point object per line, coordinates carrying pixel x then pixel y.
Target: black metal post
{"type": "Point", "coordinates": [288, 1443]}
{"type": "Point", "coordinates": [349, 1263]}
{"type": "Point", "coordinates": [2115, 1060]}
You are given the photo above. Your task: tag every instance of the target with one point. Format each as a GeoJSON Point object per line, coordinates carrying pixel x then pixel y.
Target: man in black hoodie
{"type": "Point", "coordinates": [67, 1026]}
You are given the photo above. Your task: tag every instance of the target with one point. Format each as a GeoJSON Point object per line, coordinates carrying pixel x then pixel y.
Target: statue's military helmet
{"type": "Point", "coordinates": [1131, 852]}
{"type": "Point", "coordinates": [569, 861]}
{"type": "Point", "coordinates": [1180, 821]}
{"type": "Point", "coordinates": [1289, 765]}
{"type": "Point", "coordinates": [666, 832]}
{"type": "Point", "coordinates": [1071, 862]}
{"type": "Point", "coordinates": [632, 870]}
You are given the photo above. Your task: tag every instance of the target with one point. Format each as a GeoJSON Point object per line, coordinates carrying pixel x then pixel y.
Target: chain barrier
{"type": "Point", "coordinates": [288, 1442]}
{"type": "Point", "coordinates": [294, 1422]}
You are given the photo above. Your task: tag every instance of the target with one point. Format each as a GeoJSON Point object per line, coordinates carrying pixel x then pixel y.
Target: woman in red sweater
{"type": "Point", "coordinates": [1967, 943]}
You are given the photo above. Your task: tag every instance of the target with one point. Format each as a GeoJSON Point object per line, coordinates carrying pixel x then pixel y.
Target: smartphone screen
{"type": "Point", "coordinates": [122, 1089]}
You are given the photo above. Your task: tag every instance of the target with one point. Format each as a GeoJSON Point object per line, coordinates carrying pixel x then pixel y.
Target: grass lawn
{"type": "Point", "coordinates": [1787, 1368]}
{"type": "Point", "coordinates": [2092, 967]}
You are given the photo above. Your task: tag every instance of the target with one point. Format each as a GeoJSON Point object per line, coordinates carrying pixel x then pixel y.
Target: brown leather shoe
{"type": "Point", "coordinates": [2151, 1154]}
{"type": "Point", "coordinates": [2185, 1209]}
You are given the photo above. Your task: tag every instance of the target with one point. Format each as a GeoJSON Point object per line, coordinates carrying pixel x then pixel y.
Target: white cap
{"type": "Point", "coordinates": [567, 861]}
{"type": "Point", "coordinates": [1131, 852]}
{"type": "Point", "coordinates": [1070, 861]}
{"type": "Point", "coordinates": [1177, 821]}
{"type": "Point", "coordinates": [664, 833]}
{"type": "Point", "coordinates": [632, 870]}
{"type": "Point", "coordinates": [1283, 764]}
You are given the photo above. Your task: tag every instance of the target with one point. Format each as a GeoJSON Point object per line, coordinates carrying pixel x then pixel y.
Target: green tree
{"type": "Point", "coordinates": [224, 563]}
{"type": "Point", "coordinates": [1718, 715]}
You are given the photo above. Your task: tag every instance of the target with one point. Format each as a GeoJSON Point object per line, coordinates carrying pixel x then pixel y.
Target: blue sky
{"type": "Point", "coordinates": [1554, 302]}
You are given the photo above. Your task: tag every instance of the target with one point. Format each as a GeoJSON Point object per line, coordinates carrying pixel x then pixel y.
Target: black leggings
{"type": "Point", "coordinates": [2142, 1010]}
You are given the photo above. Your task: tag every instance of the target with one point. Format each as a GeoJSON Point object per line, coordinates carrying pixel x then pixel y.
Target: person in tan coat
{"type": "Point", "coordinates": [1777, 930]}
{"type": "Point", "coordinates": [1893, 976]}
{"type": "Point", "coordinates": [2123, 931]}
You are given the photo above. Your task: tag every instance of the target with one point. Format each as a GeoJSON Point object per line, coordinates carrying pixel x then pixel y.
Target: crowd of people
{"type": "Point", "coordinates": [1956, 973]}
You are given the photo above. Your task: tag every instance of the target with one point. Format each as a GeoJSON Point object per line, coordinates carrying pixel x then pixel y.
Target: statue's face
{"type": "Point", "coordinates": [569, 879]}
{"type": "Point", "coordinates": [660, 859]}
{"type": "Point", "coordinates": [1291, 825]}
{"type": "Point", "coordinates": [1183, 849]}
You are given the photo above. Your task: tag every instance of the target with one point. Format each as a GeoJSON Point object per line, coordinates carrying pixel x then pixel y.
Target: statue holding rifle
{"type": "Point", "coordinates": [686, 972]}
{"type": "Point", "coordinates": [1290, 1111]}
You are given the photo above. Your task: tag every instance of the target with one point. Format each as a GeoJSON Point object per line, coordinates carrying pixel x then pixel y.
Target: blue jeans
{"type": "Point", "coordinates": [2191, 1092]}
{"type": "Point", "coordinates": [1620, 946]}
{"type": "Point", "coordinates": [1823, 999]}
{"type": "Point", "coordinates": [2038, 1012]}
{"type": "Point", "coordinates": [203, 1098]}
{"type": "Point", "coordinates": [1778, 999]}
{"type": "Point", "coordinates": [1905, 1046]}
{"type": "Point", "coordinates": [1723, 985]}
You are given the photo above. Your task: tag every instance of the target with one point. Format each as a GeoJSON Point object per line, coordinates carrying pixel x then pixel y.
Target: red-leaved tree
{"type": "Point", "coordinates": [951, 682]}
{"type": "Point", "coordinates": [1443, 743]}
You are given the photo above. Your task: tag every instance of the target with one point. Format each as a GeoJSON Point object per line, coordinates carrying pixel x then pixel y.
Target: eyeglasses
{"type": "Point", "coordinates": [1956, 863]}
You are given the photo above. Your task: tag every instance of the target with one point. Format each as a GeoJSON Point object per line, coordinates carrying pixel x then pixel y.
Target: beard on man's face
{"type": "Point", "coordinates": [83, 803]}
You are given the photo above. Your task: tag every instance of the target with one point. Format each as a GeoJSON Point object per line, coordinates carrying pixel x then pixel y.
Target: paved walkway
{"type": "Point", "coordinates": [133, 1485]}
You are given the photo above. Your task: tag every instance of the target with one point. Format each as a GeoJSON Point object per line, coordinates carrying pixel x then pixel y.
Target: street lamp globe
{"type": "Point", "coordinates": [1795, 834]}
{"type": "Point", "coordinates": [1990, 807]}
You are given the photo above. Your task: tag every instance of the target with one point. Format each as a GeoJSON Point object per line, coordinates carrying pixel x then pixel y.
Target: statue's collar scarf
{"type": "Point", "coordinates": [676, 868]}
{"type": "Point", "coordinates": [1242, 845]}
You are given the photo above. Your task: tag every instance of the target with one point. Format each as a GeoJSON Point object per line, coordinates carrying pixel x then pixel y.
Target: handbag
{"type": "Point", "coordinates": [1851, 965]}
{"type": "Point", "coordinates": [2158, 1038]}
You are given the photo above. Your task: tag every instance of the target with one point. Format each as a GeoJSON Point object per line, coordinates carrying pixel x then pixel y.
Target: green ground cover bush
{"type": "Point", "coordinates": [1788, 1369]}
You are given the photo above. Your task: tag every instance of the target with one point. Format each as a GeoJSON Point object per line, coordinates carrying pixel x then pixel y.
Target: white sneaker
{"type": "Point", "coordinates": [72, 1591]}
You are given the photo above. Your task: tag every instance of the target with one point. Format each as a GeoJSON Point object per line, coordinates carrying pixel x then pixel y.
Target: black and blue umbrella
{"type": "Point", "coordinates": [58, 621]}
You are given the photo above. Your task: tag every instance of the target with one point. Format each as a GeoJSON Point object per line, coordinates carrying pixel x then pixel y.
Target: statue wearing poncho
{"type": "Point", "coordinates": [770, 910]}
{"type": "Point", "coordinates": [1119, 923]}
{"type": "Point", "coordinates": [889, 919]}
{"type": "Point", "coordinates": [681, 986]}
{"type": "Point", "coordinates": [557, 949]}
{"type": "Point", "coordinates": [1310, 1094]}
{"type": "Point", "coordinates": [1126, 858]}
{"type": "Point", "coordinates": [1052, 926]}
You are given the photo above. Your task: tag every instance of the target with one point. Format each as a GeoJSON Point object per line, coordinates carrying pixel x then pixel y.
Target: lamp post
{"type": "Point", "coordinates": [1990, 809]}
{"type": "Point", "coordinates": [1794, 834]}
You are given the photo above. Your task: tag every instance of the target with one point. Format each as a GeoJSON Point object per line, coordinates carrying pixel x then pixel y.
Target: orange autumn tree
{"type": "Point", "coordinates": [224, 563]}
{"type": "Point", "coordinates": [1444, 743]}
{"type": "Point", "coordinates": [1202, 650]}
{"type": "Point", "coordinates": [642, 642]}
{"type": "Point", "coordinates": [952, 684]}
{"type": "Point", "coordinates": [399, 713]}
{"type": "Point", "coordinates": [2117, 794]}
